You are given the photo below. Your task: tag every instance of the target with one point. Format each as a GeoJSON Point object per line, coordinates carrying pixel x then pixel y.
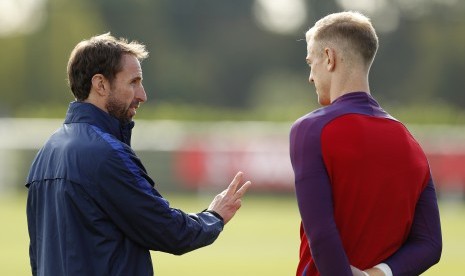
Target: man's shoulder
{"type": "Point", "coordinates": [80, 139]}
{"type": "Point", "coordinates": [316, 119]}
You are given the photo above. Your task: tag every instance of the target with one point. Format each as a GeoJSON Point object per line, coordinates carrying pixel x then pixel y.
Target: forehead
{"type": "Point", "coordinates": [310, 47]}
{"type": "Point", "coordinates": [130, 65]}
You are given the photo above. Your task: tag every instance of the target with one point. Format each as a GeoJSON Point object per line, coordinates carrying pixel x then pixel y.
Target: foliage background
{"type": "Point", "coordinates": [240, 60]}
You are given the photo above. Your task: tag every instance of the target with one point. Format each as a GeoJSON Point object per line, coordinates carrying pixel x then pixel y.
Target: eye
{"type": "Point", "coordinates": [136, 81]}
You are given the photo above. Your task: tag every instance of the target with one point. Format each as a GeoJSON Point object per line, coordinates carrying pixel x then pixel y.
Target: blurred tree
{"type": "Point", "coordinates": [33, 67]}
{"type": "Point", "coordinates": [215, 54]}
{"type": "Point", "coordinates": [201, 51]}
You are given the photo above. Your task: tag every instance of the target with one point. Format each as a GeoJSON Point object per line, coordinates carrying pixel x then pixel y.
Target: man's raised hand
{"type": "Point", "coordinates": [228, 202]}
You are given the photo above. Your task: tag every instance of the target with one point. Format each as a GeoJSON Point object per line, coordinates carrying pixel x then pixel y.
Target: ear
{"type": "Point", "coordinates": [100, 85]}
{"type": "Point", "coordinates": [330, 56]}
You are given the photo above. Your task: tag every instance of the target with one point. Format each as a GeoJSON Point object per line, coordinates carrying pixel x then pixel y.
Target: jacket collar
{"type": "Point", "coordinates": [81, 112]}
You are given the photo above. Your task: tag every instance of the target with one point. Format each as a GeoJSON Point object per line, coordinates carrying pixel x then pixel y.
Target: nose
{"type": "Point", "coordinates": [141, 95]}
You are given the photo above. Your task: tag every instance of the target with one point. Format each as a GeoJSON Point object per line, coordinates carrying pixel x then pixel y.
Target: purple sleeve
{"type": "Point", "coordinates": [315, 202]}
{"type": "Point", "coordinates": [424, 244]}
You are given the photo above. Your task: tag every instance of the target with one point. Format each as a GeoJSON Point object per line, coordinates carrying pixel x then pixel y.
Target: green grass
{"type": "Point", "coordinates": [261, 240]}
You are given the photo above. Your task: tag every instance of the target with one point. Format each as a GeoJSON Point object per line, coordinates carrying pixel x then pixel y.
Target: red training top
{"type": "Point", "coordinates": [359, 174]}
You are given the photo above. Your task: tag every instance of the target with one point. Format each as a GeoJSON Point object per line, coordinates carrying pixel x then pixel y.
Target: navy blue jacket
{"type": "Point", "coordinates": [92, 209]}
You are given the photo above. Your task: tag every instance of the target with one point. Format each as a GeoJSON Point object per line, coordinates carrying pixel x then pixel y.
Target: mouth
{"type": "Point", "coordinates": [133, 110]}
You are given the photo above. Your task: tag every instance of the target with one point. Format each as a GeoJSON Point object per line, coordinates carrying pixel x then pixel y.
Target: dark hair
{"type": "Point", "coordinates": [98, 55]}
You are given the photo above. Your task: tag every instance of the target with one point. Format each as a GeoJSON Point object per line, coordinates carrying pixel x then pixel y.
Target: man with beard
{"type": "Point", "coordinates": [92, 209]}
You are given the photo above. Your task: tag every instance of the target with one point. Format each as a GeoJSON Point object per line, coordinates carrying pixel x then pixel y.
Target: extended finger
{"type": "Point", "coordinates": [233, 186]}
{"type": "Point", "coordinates": [242, 190]}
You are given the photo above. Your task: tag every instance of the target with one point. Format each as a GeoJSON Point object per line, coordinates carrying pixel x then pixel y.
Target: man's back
{"type": "Point", "coordinates": [377, 173]}
{"type": "Point", "coordinates": [359, 174]}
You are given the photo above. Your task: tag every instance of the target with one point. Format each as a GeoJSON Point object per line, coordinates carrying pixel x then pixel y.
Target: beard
{"type": "Point", "coordinates": [119, 110]}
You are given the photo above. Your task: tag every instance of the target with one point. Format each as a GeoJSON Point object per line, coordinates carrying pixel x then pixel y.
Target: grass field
{"type": "Point", "coordinates": [261, 240]}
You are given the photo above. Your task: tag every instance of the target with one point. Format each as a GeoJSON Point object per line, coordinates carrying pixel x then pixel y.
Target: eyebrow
{"type": "Point", "coordinates": [137, 78]}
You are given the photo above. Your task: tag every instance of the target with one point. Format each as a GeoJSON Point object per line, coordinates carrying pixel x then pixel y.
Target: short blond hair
{"type": "Point", "coordinates": [351, 29]}
{"type": "Point", "coordinates": [100, 54]}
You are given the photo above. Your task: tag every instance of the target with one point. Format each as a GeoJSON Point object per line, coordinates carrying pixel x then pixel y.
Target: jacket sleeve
{"type": "Point", "coordinates": [127, 196]}
{"type": "Point", "coordinates": [424, 244]}
{"type": "Point", "coordinates": [314, 198]}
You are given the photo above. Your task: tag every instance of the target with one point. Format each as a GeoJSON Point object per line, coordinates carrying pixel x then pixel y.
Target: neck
{"type": "Point", "coordinates": [96, 100]}
{"type": "Point", "coordinates": [348, 82]}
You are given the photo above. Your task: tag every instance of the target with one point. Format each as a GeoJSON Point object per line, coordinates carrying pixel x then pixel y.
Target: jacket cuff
{"type": "Point", "coordinates": [218, 216]}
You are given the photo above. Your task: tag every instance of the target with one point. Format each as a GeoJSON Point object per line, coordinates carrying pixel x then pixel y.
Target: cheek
{"type": "Point", "coordinates": [127, 94]}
